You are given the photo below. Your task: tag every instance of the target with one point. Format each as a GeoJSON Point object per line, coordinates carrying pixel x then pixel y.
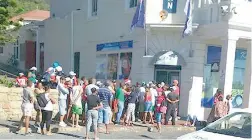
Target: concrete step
{"type": "Point", "coordinates": [4, 129]}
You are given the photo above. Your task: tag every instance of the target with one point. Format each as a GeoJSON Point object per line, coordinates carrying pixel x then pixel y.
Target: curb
{"type": "Point", "coordinates": [4, 130]}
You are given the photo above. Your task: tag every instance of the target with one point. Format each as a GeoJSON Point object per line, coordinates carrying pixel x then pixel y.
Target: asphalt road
{"type": "Point", "coordinates": [114, 135]}
{"type": "Point", "coordinates": [117, 132]}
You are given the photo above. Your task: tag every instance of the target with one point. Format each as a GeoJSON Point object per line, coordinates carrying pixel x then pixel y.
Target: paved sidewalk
{"type": "Point", "coordinates": [8, 130]}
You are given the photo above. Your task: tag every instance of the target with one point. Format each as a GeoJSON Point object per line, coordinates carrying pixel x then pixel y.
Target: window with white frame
{"type": "Point", "coordinates": [94, 7]}
{"type": "Point", "coordinates": [16, 50]}
{"type": "Point", "coordinates": [1, 50]}
{"type": "Point", "coordinates": [133, 3]}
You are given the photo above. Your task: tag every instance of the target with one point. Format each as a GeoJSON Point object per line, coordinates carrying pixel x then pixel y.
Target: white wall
{"type": "Point", "coordinates": [57, 42]}
{"type": "Point", "coordinates": [60, 8]}
{"type": "Point", "coordinates": [154, 7]}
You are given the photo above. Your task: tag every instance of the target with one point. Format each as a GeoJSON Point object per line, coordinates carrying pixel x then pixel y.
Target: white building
{"type": "Point", "coordinates": [97, 35]}
{"type": "Point", "coordinates": [30, 41]}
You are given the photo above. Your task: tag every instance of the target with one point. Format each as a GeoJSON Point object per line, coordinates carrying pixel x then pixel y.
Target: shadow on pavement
{"type": "Point", "coordinates": [71, 135]}
{"type": "Point", "coordinates": [147, 137]}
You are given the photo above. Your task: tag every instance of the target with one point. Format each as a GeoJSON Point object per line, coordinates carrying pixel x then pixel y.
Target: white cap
{"type": "Point", "coordinates": [68, 79]}
{"type": "Point", "coordinates": [72, 73]}
{"type": "Point", "coordinates": [59, 68]}
{"type": "Point", "coordinates": [21, 74]}
{"type": "Point", "coordinates": [33, 68]}
{"type": "Point", "coordinates": [50, 69]}
{"type": "Point", "coordinates": [53, 74]}
{"type": "Point", "coordinates": [98, 83]}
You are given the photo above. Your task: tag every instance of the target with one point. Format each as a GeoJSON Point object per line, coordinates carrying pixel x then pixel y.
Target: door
{"type": "Point", "coordinates": [30, 60]}
{"type": "Point", "coordinates": [173, 75]}
{"type": "Point", "coordinates": [161, 76]}
{"type": "Point", "coordinates": [77, 63]}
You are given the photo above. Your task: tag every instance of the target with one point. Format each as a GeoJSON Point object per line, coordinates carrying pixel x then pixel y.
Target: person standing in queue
{"type": "Point", "coordinates": [105, 95]}
{"type": "Point", "coordinates": [93, 105]}
{"type": "Point", "coordinates": [172, 99]}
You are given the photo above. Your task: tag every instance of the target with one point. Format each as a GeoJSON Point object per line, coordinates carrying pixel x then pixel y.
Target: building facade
{"type": "Point", "coordinates": [94, 39]}
{"type": "Point", "coordinates": [27, 50]}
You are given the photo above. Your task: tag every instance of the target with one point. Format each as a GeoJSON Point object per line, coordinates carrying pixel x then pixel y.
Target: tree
{"type": "Point", "coordinates": [7, 27]}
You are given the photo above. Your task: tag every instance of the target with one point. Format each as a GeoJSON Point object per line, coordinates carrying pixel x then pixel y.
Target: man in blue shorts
{"type": "Point", "coordinates": [105, 95]}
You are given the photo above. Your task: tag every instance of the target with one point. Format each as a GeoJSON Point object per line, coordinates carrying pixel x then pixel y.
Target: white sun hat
{"type": "Point", "coordinates": [33, 68]}
{"type": "Point", "coordinates": [21, 74]}
{"type": "Point", "coordinates": [68, 79]}
{"type": "Point", "coordinates": [59, 68]}
{"type": "Point", "coordinates": [72, 73]}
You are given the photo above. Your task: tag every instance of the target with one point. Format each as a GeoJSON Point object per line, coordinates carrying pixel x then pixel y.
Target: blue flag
{"type": "Point", "coordinates": [188, 23]}
{"type": "Point", "coordinates": [139, 17]}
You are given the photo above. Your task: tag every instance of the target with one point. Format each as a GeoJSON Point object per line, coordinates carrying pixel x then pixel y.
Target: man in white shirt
{"type": "Point", "coordinates": [154, 94]}
{"type": "Point", "coordinates": [91, 84]}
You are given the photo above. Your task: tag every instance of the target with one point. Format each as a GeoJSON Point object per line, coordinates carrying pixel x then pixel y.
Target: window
{"type": "Point", "coordinates": [133, 3]}
{"type": "Point", "coordinates": [1, 50]}
{"type": "Point", "coordinates": [237, 124]}
{"type": "Point", "coordinates": [16, 52]}
{"type": "Point", "coordinates": [94, 8]}
{"type": "Point", "coordinates": [16, 49]}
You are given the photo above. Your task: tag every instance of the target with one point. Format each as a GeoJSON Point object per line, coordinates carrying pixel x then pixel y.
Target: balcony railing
{"type": "Point", "coordinates": [223, 10]}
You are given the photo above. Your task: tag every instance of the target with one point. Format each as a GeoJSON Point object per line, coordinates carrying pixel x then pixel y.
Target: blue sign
{"type": "Point", "coordinates": [170, 6]}
{"type": "Point", "coordinates": [114, 46]}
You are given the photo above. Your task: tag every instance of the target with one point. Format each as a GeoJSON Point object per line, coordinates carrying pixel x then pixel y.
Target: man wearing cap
{"type": "Point", "coordinates": [72, 75]}
{"type": "Point", "coordinates": [63, 92]}
{"type": "Point", "coordinates": [32, 75]}
{"type": "Point", "coordinates": [59, 73]}
{"type": "Point", "coordinates": [172, 99]}
{"type": "Point", "coordinates": [105, 96]}
{"type": "Point", "coordinates": [21, 80]}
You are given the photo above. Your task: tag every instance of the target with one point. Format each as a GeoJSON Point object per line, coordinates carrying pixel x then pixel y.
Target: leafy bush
{"type": "Point", "coordinates": [7, 82]}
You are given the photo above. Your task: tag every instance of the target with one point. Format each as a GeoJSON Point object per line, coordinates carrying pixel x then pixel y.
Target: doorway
{"type": "Point", "coordinates": [77, 63]}
{"type": "Point", "coordinates": [167, 73]}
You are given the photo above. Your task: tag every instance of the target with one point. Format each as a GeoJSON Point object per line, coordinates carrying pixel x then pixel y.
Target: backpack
{"type": "Point", "coordinates": [41, 99]}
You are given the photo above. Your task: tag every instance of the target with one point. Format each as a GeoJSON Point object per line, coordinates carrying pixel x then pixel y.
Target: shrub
{"type": "Point", "coordinates": [6, 82]}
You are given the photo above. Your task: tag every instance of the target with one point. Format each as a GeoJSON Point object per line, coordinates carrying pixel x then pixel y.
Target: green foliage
{"type": "Point", "coordinates": [10, 8]}
{"type": "Point", "coordinates": [6, 82]}
{"type": "Point", "coordinates": [24, 6]}
{"type": "Point", "coordinates": [5, 23]}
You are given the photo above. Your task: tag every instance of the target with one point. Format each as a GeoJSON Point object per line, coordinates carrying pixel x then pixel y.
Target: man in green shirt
{"type": "Point", "coordinates": [119, 97]}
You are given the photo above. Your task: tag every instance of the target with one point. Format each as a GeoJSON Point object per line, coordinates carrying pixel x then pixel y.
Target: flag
{"type": "Point", "coordinates": [139, 17]}
{"type": "Point", "coordinates": [188, 24]}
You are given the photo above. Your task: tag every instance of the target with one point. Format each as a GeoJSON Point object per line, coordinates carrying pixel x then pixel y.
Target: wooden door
{"type": "Point", "coordinates": [30, 60]}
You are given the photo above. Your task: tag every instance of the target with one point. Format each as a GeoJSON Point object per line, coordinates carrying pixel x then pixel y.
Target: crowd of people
{"type": "Point", "coordinates": [95, 103]}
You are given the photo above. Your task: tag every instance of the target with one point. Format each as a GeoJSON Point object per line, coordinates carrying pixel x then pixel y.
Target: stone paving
{"type": "Point", "coordinates": [8, 130]}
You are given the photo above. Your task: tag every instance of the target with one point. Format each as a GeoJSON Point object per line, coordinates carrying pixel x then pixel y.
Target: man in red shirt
{"type": "Point", "coordinates": [21, 80]}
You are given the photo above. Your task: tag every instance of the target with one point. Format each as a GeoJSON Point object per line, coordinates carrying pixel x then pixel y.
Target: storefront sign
{"type": "Point", "coordinates": [114, 46]}
{"type": "Point", "coordinates": [170, 6]}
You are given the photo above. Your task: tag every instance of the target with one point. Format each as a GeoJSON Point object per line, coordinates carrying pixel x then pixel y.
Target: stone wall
{"type": "Point", "coordinates": [10, 103]}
